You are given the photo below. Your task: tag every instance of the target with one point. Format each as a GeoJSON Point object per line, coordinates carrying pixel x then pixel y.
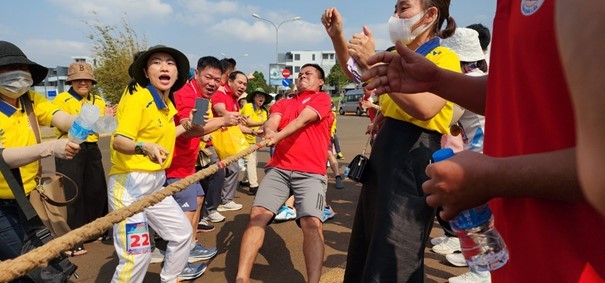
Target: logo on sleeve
{"type": "Point", "coordinates": [529, 7]}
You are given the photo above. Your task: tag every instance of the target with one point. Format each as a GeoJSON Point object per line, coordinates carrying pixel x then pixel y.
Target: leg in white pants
{"type": "Point", "coordinates": [251, 170]}
{"type": "Point", "coordinates": [131, 241]}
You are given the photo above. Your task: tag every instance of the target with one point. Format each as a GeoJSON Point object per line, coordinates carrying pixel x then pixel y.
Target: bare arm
{"type": "Point", "coordinates": [16, 157]}
{"type": "Point", "coordinates": [306, 117]}
{"type": "Point", "coordinates": [584, 73]}
{"type": "Point", "coordinates": [470, 179]}
{"type": "Point", "coordinates": [156, 153]}
{"type": "Point", "coordinates": [409, 72]}
{"type": "Point", "coordinates": [332, 21]}
{"type": "Point", "coordinates": [63, 121]}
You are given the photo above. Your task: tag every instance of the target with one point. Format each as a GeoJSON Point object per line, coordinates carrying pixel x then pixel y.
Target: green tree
{"type": "Point", "coordinates": [113, 49]}
{"type": "Point", "coordinates": [258, 81]}
{"type": "Point", "coordinates": [338, 79]}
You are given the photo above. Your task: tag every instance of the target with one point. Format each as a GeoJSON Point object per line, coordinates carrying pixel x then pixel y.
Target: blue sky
{"type": "Point", "coordinates": [50, 32]}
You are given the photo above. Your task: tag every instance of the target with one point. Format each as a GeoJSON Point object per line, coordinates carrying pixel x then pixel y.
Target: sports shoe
{"type": "Point", "coordinates": [229, 206]}
{"type": "Point", "coordinates": [157, 255]}
{"type": "Point", "coordinates": [244, 184]}
{"type": "Point", "coordinates": [203, 226]}
{"type": "Point", "coordinates": [456, 259]}
{"type": "Point", "coordinates": [438, 240]}
{"type": "Point", "coordinates": [285, 213]}
{"type": "Point", "coordinates": [252, 191]}
{"type": "Point", "coordinates": [472, 277]}
{"type": "Point", "coordinates": [200, 252]}
{"type": "Point", "coordinates": [328, 213]}
{"type": "Point", "coordinates": [214, 217]}
{"type": "Point", "coordinates": [192, 271]}
{"type": "Point", "coordinates": [339, 183]}
{"type": "Point", "coordinates": [449, 246]}
{"type": "Point", "coordinates": [340, 156]}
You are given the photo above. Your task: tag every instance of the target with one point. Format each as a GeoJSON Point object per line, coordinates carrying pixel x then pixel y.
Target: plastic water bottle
{"type": "Point", "coordinates": [83, 125]}
{"type": "Point", "coordinates": [346, 171]}
{"type": "Point", "coordinates": [481, 244]}
{"type": "Point", "coordinates": [105, 124]}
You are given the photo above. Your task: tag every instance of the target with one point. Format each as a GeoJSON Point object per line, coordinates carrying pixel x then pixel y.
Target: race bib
{"type": "Point", "coordinates": [137, 238]}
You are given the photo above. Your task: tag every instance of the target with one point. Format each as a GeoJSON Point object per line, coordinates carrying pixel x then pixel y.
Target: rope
{"type": "Point", "coordinates": [18, 267]}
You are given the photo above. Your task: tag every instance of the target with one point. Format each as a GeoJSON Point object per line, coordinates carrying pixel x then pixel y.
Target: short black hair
{"type": "Point", "coordinates": [322, 75]}
{"type": "Point", "coordinates": [484, 35]}
{"type": "Point", "coordinates": [228, 64]}
{"type": "Point", "coordinates": [209, 61]}
{"type": "Point", "coordinates": [234, 74]}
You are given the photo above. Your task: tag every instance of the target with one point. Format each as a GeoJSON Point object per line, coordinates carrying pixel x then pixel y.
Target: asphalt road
{"type": "Point", "coordinates": [280, 259]}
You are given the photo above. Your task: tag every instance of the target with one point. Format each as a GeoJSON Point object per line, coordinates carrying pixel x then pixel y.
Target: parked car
{"type": "Point", "coordinates": [350, 102]}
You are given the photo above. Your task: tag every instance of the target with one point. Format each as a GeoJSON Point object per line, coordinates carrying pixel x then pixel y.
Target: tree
{"type": "Point", "coordinates": [338, 79]}
{"type": "Point", "coordinates": [113, 49]}
{"type": "Point", "coordinates": [258, 81]}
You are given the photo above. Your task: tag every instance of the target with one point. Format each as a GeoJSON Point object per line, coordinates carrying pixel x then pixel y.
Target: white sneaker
{"type": "Point", "coordinates": [157, 256]}
{"type": "Point", "coordinates": [456, 259]}
{"type": "Point", "coordinates": [214, 217]}
{"type": "Point", "coordinates": [438, 240]}
{"type": "Point", "coordinates": [472, 277]}
{"type": "Point", "coordinates": [449, 246]}
{"type": "Point", "coordinates": [229, 206]}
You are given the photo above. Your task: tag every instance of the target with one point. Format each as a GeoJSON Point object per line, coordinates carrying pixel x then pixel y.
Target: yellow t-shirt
{"type": "Point", "coordinates": [72, 104]}
{"type": "Point", "coordinates": [15, 131]}
{"type": "Point", "coordinates": [141, 119]}
{"type": "Point", "coordinates": [258, 115]}
{"type": "Point", "coordinates": [446, 59]}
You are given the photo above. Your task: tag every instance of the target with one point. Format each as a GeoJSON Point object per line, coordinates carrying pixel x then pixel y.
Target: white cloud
{"type": "Point", "coordinates": [113, 10]}
{"type": "Point", "coordinates": [205, 11]}
{"type": "Point", "coordinates": [55, 52]}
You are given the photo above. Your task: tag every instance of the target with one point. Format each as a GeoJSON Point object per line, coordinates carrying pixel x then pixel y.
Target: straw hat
{"type": "Point", "coordinates": [80, 71]}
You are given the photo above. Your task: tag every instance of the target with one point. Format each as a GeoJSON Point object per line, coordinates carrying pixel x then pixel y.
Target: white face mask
{"type": "Point", "coordinates": [401, 29]}
{"type": "Point", "coordinates": [15, 83]}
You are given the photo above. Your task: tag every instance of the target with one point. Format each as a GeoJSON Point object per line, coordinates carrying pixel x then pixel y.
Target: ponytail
{"type": "Point", "coordinates": [450, 28]}
{"type": "Point", "coordinates": [443, 6]}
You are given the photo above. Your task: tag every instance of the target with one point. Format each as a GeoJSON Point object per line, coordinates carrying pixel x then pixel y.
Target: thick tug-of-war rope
{"type": "Point", "coordinates": [17, 267]}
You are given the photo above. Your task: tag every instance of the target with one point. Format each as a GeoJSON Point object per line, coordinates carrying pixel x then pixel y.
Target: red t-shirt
{"type": "Point", "coordinates": [226, 98]}
{"type": "Point", "coordinates": [371, 111]}
{"type": "Point", "coordinates": [307, 149]}
{"type": "Point", "coordinates": [529, 111]}
{"type": "Point", "coordinates": [185, 149]}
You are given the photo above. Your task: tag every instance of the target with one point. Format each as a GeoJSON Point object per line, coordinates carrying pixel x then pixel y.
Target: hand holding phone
{"type": "Point", "coordinates": [201, 107]}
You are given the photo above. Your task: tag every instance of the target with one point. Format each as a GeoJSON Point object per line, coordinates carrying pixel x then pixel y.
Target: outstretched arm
{"type": "Point", "coordinates": [409, 72]}
{"type": "Point", "coordinates": [16, 157]}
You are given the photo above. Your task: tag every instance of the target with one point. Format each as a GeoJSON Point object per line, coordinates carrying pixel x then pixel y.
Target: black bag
{"type": "Point", "coordinates": [358, 168]}
{"type": "Point", "coordinates": [36, 234]}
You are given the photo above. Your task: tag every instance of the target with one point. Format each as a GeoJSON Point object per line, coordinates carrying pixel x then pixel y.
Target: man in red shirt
{"type": "Point", "coordinates": [300, 129]}
{"type": "Point", "coordinates": [224, 102]}
{"type": "Point", "coordinates": [528, 173]}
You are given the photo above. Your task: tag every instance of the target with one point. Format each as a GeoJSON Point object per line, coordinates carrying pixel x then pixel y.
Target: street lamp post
{"type": "Point", "coordinates": [276, 31]}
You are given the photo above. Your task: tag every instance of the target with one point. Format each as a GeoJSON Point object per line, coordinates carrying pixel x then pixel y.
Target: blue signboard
{"type": "Point", "coordinates": [51, 93]}
{"type": "Point", "coordinates": [285, 82]}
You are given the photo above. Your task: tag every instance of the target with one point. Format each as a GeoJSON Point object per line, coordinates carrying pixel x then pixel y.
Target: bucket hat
{"type": "Point", "coordinates": [465, 42]}
{"type": "Point", "coordinates": [80, 71]}
{"type": "Point", "coordinates": [243, 96]}
{"type": "Point", "coordinates": [10, 54]}
{"type": "Point", "coordinates": [182, 65]}
{"type": "Point", "coordinates": [259, 90]}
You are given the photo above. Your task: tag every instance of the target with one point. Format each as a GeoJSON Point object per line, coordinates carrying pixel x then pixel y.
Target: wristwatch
{"type": "Point", "coordinates": [138, 149]}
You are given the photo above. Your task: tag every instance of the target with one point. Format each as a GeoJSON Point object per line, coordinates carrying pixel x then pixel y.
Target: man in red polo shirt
{"type": "Point", "coordinates": [528, 173]}
{"type": "Point", "coordinates": [224, 102]}
{"type": "Point", "coordinates": [297, 167]}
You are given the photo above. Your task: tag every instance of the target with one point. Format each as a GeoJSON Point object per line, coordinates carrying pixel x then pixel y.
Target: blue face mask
{"type": "Point", "coordinates": [15, 83]}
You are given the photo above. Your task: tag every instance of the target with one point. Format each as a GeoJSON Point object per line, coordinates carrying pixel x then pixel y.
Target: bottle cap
{"type": "Point", "coordinates": [442, 154]}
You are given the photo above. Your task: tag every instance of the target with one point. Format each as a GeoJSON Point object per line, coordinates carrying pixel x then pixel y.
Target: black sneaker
{"type": "Point", "coordinates": [203, 226]}
{"type": "Point", "coordinates": [244, 184]}
{"type": "Point", "coordinates": [252, 191]}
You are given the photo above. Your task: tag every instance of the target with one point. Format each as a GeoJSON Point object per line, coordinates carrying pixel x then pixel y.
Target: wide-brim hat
{"type": "Point", "coordinates": [80, 71]}
{"type": "Point", "coordinates": [243, 96]}
{"type": "Point", "coordinates": [182, 65]}
{"type": "Point", "coordinates": [465, 42]}
{"type": "Point", "coordinates": [259, 90]}
{"type": "Point", "coordinates": [10, 54]}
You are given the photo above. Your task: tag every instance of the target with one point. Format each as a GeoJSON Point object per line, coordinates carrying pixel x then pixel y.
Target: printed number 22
{"type": "Point", "coordinates": [139, 240]}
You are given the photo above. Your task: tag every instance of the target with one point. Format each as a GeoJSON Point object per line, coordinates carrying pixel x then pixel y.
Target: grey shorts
{"type": "Point", "coordinates": [309, 192]}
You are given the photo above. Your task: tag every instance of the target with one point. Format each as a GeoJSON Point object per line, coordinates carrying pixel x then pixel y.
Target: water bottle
{"type": "Point", "coordinates": [346, 171]}
{"type": "Point", "coordinates": [105, 124]}
{"type": "Point", "coordinates": [481, 244]}
{"type": "Point", "coordinates": [82, 126]}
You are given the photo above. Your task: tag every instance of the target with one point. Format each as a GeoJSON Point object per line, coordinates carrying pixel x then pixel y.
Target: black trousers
{"type": "Point", "coordinates": [392, 221]}
{"type": "Point", "coordinates": [213, 185]}
{"type": "Point", "coordinates": [86, 169]}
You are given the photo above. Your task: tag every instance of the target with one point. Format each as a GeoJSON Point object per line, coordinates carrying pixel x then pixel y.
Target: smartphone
{"type": "Point", "coordinates": [201, 107]}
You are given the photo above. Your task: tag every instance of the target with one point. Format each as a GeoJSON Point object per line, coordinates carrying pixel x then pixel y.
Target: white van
{"type": "Point", "coordinates": [350, 102]}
